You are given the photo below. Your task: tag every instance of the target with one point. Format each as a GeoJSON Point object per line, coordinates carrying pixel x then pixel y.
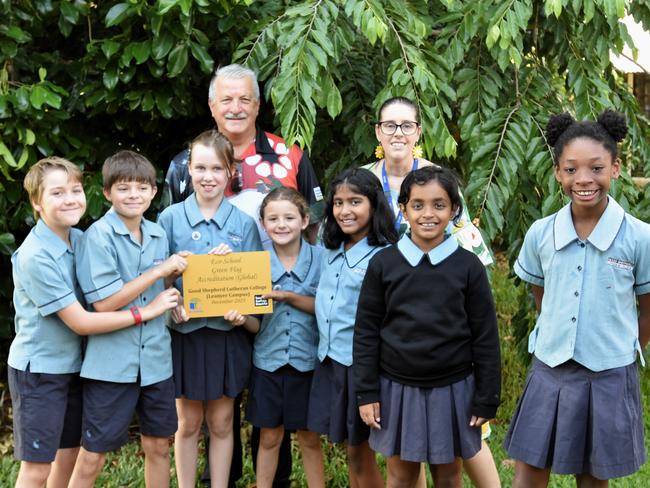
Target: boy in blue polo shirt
{"type": "Point", "coordinates": [45, 356]}
{"type": "Point", "coordinates": [121, 264]}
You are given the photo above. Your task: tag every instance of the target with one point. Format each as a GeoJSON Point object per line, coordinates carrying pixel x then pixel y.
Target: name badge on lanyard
{"type": "Point", "coordinates": [389, 195]}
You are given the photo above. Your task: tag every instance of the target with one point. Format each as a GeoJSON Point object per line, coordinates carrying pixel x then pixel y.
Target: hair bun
{"type": "Point", "coordinates": [556, 126]}
{"type": "Point", "coordinates": [614, 123]}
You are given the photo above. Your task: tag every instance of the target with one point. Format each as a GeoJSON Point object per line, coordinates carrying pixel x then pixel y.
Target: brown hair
{"type": "Point", "coordinates": [288, 194]}
{"type": "Point", "coordinates": [127, 166]}
{"type": "Point", "coordinates": [33, 182]}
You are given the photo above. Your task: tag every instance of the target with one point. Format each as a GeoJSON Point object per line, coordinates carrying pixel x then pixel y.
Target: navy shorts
{"type": "Point", "coordinates": [279, 398]}
{"type": "Point", "coordinates": [109, 408]}
{"type": "Point", "coordinates": [47, 413]}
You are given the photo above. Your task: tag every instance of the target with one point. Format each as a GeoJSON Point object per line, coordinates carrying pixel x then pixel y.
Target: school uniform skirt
{"type": "Point", "coordinates": [426, 425]}
{"type": "Point", "coordinates": [577, 421]}
{"type": "Point", "coordinates": [279, 397]}
{"type": "Point", "coordinates": [210, 364]}
{"type": "Point", "coordinates": [333, 409]}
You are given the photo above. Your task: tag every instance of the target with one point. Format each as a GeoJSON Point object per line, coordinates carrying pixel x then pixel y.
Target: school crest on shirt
{"type": "Point", "coordinates": [234, 238]}
{"type": "Point", "coordinates": [620, 264]}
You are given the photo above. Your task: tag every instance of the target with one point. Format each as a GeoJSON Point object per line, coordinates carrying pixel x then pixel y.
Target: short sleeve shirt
{"type": "Point", "coordinates": [108, 258]}
{"type": "Point", "coordinates": [337, 296]}
{"type": "Point", "coordinates": [589, 310]}
{"type": "Point", "coordinates": [288, 335]}
{"type": "Point", "coordinates": [266, 164]}
{"type": "Point", "coordinates": [44, 283]}
{"type": "Point", "coordinates": [188, 230]}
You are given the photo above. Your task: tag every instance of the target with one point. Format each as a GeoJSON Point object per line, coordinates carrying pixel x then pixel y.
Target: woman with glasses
{"type": "Point", "coordinates": [398, 130]}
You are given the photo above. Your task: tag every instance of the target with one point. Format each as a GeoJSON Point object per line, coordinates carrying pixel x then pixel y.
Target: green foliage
{"type": "Point", "coordinates": [81, 79]}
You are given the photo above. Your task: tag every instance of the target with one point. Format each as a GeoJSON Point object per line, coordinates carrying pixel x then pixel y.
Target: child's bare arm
{"type": "Point", "coordinates": [84, 322]}
{"type": "Point", "coordinates": [301, 302]}
{"type": "Point", "coordinates": [171, 267]}
{"type": "Point", "coordinates": [644, 320]}
{"type": "Point", "coordinates": [538, 294]}
{"type": "Point", "coordinates": [250, 322]}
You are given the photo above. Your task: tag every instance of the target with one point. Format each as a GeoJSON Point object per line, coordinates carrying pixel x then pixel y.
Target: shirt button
{"type": "Point", "coordinates": [576, 293]}
{"type": "Point", "coordinates": [582, 244]}
{"type": "Point", "coordinates": [287, 313]}
{"type": "Point", "coordinates": [286, 333]}
{"type": "Point", "coordinates": [144, 299]}
{"type": "Point", "coordinates": [144, 323]}
{"type": "Point", "coordinates": [579, 268]}
{"type": "Point", "coordinates": [327, 321]}
{"type": "Point", "coordinates": [573, 319]}
{"type": "Point", "coordinates": [337, 275]}
{"type": "Point", "coordinates": [142, 346]}
{"type": "Point", "coordinates": [332, 297]}
{"type": "Point", "coordinates": [287, 351]}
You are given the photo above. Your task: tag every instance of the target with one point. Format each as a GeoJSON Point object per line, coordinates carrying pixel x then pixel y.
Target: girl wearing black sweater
{"type": "Point", "coordinates": [426, 358]}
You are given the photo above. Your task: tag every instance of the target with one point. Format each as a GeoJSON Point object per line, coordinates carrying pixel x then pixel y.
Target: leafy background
{"type": "Point", "coordinates": [82, 79]}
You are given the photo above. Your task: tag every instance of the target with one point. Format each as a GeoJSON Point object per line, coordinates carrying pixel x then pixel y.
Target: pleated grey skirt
{"type": "Point", "coordinates": [577, 421]}
{"type": "Point", "coordinates": [426, 425]}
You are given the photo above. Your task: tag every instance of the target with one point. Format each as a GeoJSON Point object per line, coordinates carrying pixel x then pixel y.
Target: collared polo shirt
{"type": "Point", "coordinates": [589, 310]}
{"type": "Point", "coordinates": [266, 163]}
{"type": "Point", "coordinates": [44, 283]}
{"type": "Point", "coordinates": [188, 230]}
{"type": "Point", "coordinates": [288, 335]}
{"type": "Point", "coordinates": [108, 258]}
{"type": "Point", "coordinates": [337, 297]}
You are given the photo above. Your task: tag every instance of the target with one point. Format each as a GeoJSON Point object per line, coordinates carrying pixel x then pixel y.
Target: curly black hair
{"type": "Point", "coordinates": [609, 129]}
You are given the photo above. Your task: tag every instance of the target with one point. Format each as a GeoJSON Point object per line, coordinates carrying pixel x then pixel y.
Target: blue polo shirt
{"type": "Point", "coordinates": [44, 283]}
{"type": "Point", "coordinates": [288, 335]}
{"type": "Point", "coordinates": [109, 257]}
{"type": "Point", "coordinates": [589, 310]}
{"type": "Point", "coordinates": [337, 297]}
{"type": "Point", "coordinates": [188, 230]}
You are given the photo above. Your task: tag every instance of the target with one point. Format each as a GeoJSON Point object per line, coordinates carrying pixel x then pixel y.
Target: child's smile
{"type": "Point", "coordinates": [585, 171]}
{"type": "Point", "coordinates": [428, 211]}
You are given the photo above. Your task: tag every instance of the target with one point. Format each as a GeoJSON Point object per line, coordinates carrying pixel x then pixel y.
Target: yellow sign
{"type": "Point", "coordinates": [213, 285]}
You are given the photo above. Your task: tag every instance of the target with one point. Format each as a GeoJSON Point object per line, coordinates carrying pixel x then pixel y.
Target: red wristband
{"type": "Point", "coordinates": [135, 311]}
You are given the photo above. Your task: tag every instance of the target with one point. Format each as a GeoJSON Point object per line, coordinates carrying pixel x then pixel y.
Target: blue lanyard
{"type": "Point", "coordinates": [389, 195]}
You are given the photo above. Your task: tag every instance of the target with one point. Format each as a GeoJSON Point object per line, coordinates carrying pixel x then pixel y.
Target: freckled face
{"type": "Point", "coordinates": [585, 171]}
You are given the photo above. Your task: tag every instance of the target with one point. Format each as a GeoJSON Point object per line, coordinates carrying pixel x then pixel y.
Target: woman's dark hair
{"type": "Point", "coordinates": [382, 221]}
{"type": "Point", "coordinates": [445, 178]}
{"type": "Point", "coordinates": [609, 129]}
{"type": "Point", "coordinates": [402, 101]}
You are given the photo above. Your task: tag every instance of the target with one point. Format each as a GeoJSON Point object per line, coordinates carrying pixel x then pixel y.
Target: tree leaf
{"type": "Point", "coordinates": [177, 60]}
{"type": "Point", "coordinates": [117, 14]}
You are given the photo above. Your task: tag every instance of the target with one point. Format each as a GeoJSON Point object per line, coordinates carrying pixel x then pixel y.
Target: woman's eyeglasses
{"type": "Point", "coordinates": [389, 127]}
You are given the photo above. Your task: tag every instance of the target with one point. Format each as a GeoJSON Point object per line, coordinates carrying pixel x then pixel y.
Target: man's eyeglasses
{"type": "Point", "coordinates": [389, 127]}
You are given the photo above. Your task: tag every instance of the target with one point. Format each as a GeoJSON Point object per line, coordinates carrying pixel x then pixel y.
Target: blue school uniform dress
{"type": "Point", "coordinates": [45, 356]}
{"type": "Point", "coordinates": [127, 370]}
{"type": "Point", "coordinates": [580, 410]}
{"type": "Point", "coordinates": [211, 358]}
{"type": "Point", "coordinates": [332, 404]}
{"type": "Point", "coordinates": [285, 348]}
